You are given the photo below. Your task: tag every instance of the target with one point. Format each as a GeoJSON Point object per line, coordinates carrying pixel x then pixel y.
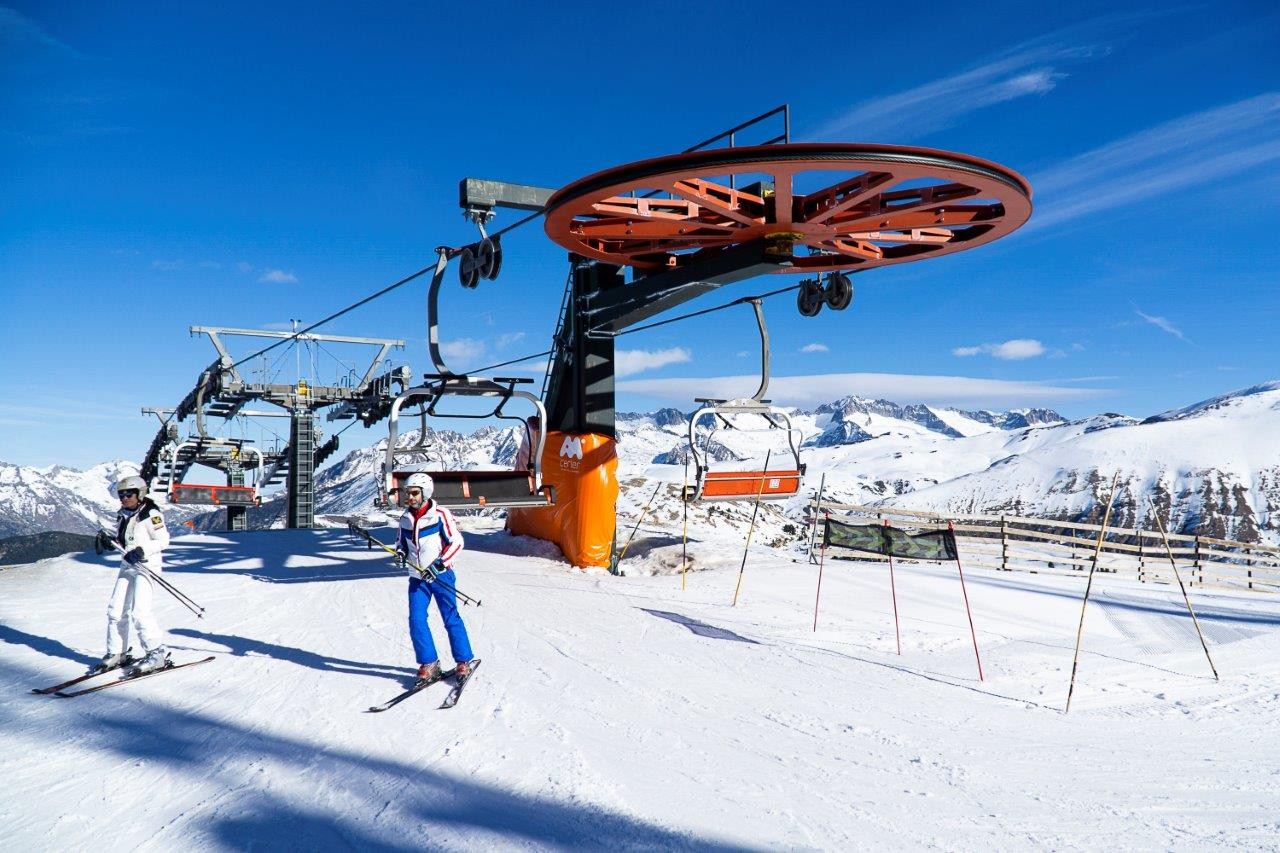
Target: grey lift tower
{"type": "Point", "coordinates": [222, 392]}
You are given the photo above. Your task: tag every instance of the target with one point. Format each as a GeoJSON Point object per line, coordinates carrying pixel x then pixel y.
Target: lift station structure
{"type": "Point", "coordinates": [647, 237]}
{"type": "Point", "coordinates": [643, 239]}
{"type": "Point", "coordinates": [222, 392]}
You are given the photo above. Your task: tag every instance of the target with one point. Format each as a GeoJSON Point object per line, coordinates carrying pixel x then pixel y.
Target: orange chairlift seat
{"type": "Point", "coordinates": [782, 480]}
{"type": "Point", "coordinates": [199, 494]}
{"type": "Point", "coordinates": [773, 481]}
{"type": "Point", "coordinates": [466, 488]}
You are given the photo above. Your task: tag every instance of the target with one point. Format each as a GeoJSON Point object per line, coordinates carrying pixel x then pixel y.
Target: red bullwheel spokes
{"type": "Point", "coordinates": [873, 205]}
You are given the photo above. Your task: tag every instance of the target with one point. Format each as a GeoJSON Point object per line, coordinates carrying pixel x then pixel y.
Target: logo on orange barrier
{"type": "Point", "coordinates": [571, 450]}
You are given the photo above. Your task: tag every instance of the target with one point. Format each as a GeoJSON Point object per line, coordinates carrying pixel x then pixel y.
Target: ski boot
{"type": "Point", "coordinates": [157, 658]}
{"type": "Point", "coordinates": [109, 661]}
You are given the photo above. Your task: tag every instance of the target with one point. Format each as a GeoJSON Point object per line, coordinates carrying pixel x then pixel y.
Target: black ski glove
{"type": "Point", "coordinates": [135, 556]}
{"type": "Point", "coordinates": [402, 559]}
{"type": "Point", "coordinates": [439, 567]}
{"type": "Point", "coordinates": [102, 542]}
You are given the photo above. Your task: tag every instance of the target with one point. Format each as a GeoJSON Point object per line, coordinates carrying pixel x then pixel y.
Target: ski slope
{"type": "Point", "coordinates": [632, 713]}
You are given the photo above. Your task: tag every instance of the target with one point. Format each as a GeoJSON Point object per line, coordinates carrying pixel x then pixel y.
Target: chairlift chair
{"type": "Point", "coordinates": [193, 494]}
{"type": "Point", "coordinates": [466, 489]}
{"type": "Point", "coordinates": [774, 481]}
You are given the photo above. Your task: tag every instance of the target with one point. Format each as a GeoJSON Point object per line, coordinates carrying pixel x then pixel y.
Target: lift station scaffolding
{"type": "Point", "coordinates": [222, 392]}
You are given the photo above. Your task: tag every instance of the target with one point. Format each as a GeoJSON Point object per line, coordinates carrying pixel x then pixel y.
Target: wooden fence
{"type": "Point", "coordinates": [1042, 546]}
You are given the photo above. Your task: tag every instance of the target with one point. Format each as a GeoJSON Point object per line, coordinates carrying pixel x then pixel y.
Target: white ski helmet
{"type": "Point", "coordinates": [132, 482]}
{"type": "Point", "coordinates": [421, 481]}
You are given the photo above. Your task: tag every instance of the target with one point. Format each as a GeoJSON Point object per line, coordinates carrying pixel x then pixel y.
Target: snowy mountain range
{"type": "Point", "coordinates": [1214, 464]}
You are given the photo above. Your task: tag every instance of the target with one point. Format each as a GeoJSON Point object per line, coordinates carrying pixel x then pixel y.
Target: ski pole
{"type": "Point", "coordinates": [424, 573]}
{"type": "Point", "coordinates": [183, 599]}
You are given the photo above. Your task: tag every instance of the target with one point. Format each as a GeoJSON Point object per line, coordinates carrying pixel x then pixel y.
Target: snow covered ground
{"type": "Point", "coordinates": [632, 713]}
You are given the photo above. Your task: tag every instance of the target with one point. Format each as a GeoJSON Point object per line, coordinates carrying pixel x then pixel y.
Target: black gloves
{"type": "Point", "coordinates": [401, 559]}
{"type": "Point", "coordinates": [103, 542]}
{"type": "Point", "coordinates": [431, 572]}
{"type": "Point", "coordinates": [135, 556]}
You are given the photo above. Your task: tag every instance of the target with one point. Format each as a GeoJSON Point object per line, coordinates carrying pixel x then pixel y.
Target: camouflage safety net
{"type": "Point", "coordinates": [939, 544]}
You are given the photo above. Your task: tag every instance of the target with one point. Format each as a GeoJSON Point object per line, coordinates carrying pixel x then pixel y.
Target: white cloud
{"type": "Point", "coordinates": [628, 362]}
{"type": "Point", "coordinates": [244, 268]}
{"type": "Point", "coordinates": [940, 103]}
{"type": "Point", "coordinates": [960, 391]}
{"type": "Point", "coordinates": [507, 340]}
{"type": "Point", "coordinates": [1162, 324]}
{"type": "Point", "coordinates": [166, 266]}
{"type": "Point", "coordinates": [277, 277]}
{"type": "Point", "coordinates": [1014, 350]}
{"type": "Point", "coordinates": [815, 347]}
{"type": "Point", "coordinates": [462, 348]}
{"type": "Point", "coordinates": [1193, 150]}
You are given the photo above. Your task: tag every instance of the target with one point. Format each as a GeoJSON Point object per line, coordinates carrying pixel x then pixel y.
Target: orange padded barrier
{"type": "Point", "coordinates": [583, 467]}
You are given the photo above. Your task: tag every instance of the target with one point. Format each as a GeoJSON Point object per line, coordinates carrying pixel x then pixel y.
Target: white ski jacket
{"type": "Point", "coordinates": [144, 529]}
{"type": "Point", "coordinates": [428, 534]}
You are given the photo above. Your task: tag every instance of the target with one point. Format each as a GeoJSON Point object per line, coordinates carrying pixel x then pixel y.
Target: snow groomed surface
{"type": "Point", "coordinates": [625, 713]}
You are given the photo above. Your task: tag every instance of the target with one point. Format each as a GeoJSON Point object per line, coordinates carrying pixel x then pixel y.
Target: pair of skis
{"type": "Point", "coordinates": [61, 690]}
{"type": "Point", "coordinates": [418, 686]}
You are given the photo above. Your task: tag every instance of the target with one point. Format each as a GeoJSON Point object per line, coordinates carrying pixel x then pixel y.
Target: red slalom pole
{"type": "Point", "coordinates": [972, 633]}
{"type": "Point", "coordinates": [893, 588]}
{"type": "Point", "coordinates": [822, 558]}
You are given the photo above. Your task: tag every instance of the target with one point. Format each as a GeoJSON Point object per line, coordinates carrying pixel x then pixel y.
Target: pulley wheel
{"type": "Point", "coordinates": [842, 206]}
{"type": "Point", "coordinates": [809, 299]}
{"type": "Point", "coordinates": [838, 292]}
{"type": "Point", "coordinates": [489, 257]}
{"type": "Point", "coordinates": [468, 267]}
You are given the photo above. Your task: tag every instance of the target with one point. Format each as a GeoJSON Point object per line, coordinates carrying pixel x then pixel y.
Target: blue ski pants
{"type": "Point", "coordinates": [420, 594]}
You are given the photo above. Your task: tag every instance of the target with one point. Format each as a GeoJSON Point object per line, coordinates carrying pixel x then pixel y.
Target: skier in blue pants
{"type": "Point", "coordinates": [429, 537]}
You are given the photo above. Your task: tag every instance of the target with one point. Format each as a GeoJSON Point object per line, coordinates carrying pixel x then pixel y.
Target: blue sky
{"type": "Point", "coordinates": [163, 166]}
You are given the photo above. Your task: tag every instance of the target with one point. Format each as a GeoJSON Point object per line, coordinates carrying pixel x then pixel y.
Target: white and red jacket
{"type": "Point", "coordinates": [427, 534]}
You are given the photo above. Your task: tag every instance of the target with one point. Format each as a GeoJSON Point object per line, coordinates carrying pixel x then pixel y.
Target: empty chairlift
{"type": "Point", "coordinates": [200, 494]}
{"type": "Point", "coordinates": [470, 488]}
{"type": "Point", "coordinates": [782, 472]}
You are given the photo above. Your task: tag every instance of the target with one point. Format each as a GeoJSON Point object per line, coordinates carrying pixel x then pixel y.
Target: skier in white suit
{"type": "Point", "coordinates": [141, 532]}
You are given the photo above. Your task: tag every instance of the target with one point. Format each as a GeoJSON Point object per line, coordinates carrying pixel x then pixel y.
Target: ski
{"type": "Point", "coordinates": [418, 687]}
{"type": "Point", "coordinates": [129, 678]}
{"type": "Point", "coordinates": [44, 691]}
{"type": "Point", "coordinates": [456, 693]}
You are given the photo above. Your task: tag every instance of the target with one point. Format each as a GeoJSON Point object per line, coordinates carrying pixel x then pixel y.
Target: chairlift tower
{"type": "Point", "coordinates": [222, 391]}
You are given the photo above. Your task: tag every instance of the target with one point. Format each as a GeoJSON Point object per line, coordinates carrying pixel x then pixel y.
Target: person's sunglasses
{"type": "Point", "coordinates": [127, 493]}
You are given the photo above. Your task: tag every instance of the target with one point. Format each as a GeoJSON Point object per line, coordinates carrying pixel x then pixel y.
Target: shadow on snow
{"type": "Point", "coordinates": [386, 804]}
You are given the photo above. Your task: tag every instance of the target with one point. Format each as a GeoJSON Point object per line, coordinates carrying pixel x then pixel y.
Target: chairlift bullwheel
{"type": "Point", "coordinates": [468, 267]}
{"type": "Point", "coordinates": [810, 297]}
{"type": "Point", "coordinates": [850, 206]}
{"type": "Point", "coordinates": [838, 292]}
